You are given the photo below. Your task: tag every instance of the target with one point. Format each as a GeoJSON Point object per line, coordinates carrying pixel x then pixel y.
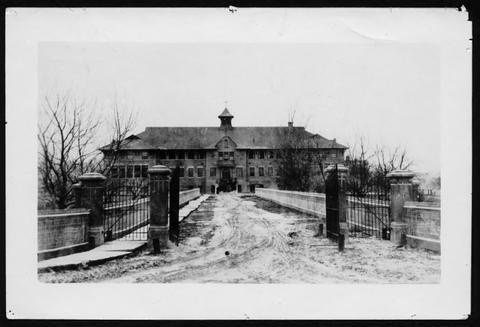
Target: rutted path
{"type": "Point", "coordinates": [249, 245]}
{"type": "Point", "coordinates": [234, 239]}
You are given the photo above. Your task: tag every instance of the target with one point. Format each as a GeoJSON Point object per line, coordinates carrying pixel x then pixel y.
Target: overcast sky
{"type": "Point", "coordinates": [387, 92]}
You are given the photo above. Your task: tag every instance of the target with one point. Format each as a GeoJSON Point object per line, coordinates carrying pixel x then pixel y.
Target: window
{"type": "Point", "coordinates": [162, 155]}
{"type": "Point", "coordinates": [213, 172]}
{"type": "Point", "coordinates": [129, 171]}
{"type": "Point", "coordinates": [225, 143]}
{"type": "Point", "coordinates": [239, 172]}
{"type": "Point", "coordinates": [334, 155]}
{"type": "Point", "coordinates": [252, 171]}
{"type": "Point", "coordinates": [137, 170]}
{"type": "Point", "coordinates": [190, 154]}
{"type": "Point", "coordinates": [114, 172]}
{"type": "Point", "coordinates": [270, 155]}
{"type": "Point", "coordinates": [230, 155]}
{"type": "Point", "coordinates": [181, 155]}
{"type": "Point", "coordinates": [145, 155]}
{"type": "Point", "coordinates": [261, 155]}
{"type": "Point", "coordinates": [260, 171]}
{"type": "Point", "coordinates": [201, 155]}
{"type": "Point", "coordinates": [270, 171]}
{"type": "Point", "coordinates": [200, 171]}
{"type": "Point", "coordinates": [190, 172]}
{"type": "Point", "coordinates": [121, 171]}
{"type": "Point", "coordinates": [251, 155]}
{"type": "Point", "coordinates": [181, 172]}
{"type": "Point", "coordinates": [144, 171]}
{"type": "Point", "coordinates": [220, 155]}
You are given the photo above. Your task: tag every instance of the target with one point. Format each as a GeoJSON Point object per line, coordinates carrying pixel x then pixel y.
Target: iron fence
{"type": "Point", "coordinates": [368, 204]}
{"type": "Point", "coordinates": [126, 209]}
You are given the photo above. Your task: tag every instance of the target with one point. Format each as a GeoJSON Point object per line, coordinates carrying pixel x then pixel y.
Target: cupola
{"type": "Point", "coordinates": [225, 119]}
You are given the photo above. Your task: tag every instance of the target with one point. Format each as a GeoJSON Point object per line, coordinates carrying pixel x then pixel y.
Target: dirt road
{"type": "Point", "coordinates": [234, 239]}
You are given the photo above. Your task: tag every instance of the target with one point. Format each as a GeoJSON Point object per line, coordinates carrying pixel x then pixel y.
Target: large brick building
{"type": "Point", "coordinates": [227, 157]}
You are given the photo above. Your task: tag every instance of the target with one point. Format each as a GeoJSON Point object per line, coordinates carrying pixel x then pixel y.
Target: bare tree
{"type": "Point", "coordinates": [369, 168]}
{"type": "Point", "coordinates": [387, 161]}
{"type": "Point", "coordinates": [120, 126]}
{"type": "Point", "coordinates": [300, 163]}
{"type": "Point", "coordinates": [66, 145]}
{"type": "Point", "coordinates": [358, 160]}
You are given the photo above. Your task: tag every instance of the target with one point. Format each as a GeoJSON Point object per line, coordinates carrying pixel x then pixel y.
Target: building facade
{"type": "Point", "coordinates": [226, 158]}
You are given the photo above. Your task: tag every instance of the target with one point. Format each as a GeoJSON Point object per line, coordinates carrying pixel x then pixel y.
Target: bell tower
{"type": "Point", "coordinates": [225, 119]}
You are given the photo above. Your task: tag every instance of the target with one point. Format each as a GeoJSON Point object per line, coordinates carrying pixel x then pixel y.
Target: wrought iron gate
{"type": "Point", "coordinates": [368, 203]}
{"type": "Point", "coordinates": [332, 204]}
{"type": "Point", "coordinates": [174, 205]}
{"type": "Point", "coordinates": [126, 211]}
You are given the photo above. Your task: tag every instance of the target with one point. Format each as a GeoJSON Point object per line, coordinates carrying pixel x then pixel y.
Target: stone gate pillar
{"type": "Point", "coordinates": [401, 190]}
{"type": "Point", "coordinates": [90, 195]}
{"type": "Point", "coordinates": [159, 180]}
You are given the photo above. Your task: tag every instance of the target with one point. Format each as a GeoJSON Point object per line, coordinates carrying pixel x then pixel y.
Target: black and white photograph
{"type": "Point", "coordinates": [241, 150]}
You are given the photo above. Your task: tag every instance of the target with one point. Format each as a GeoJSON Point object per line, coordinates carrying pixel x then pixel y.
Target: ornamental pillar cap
{"type": "Point", "coordinates": [159, 170]}
{"type": "Point", "coordinates": [401, 174]}
{"type": "Point", "coordinates": [416, 181]}
{"type": "Point", "coordinates": [92, 177]}
{"type": "Point", "coordinates": [340, 168]}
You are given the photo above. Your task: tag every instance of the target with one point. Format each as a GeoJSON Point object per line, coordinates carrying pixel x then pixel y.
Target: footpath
{"type": "Point", "coordinates": [110, 250]}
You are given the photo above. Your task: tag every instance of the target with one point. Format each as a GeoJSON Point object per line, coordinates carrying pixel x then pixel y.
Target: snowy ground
{"type": "Point", "coordinates": [233, 239]}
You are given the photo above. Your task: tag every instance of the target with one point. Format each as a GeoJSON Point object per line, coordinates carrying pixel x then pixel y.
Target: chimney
{"type": "Point", "coordinates": [290, 124]}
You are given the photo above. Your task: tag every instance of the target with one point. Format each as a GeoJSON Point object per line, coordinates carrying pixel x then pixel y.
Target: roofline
{"type": "Point", "coordinates": [214, 148]}
{"type": "Point", "coordinates": [150, 127]}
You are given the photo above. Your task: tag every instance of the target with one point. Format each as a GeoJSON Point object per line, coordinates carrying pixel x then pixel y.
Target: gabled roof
{"type": "Point", "coordinates": [207, 137]}
{"type": "Point", "coordinates": [225, 113]}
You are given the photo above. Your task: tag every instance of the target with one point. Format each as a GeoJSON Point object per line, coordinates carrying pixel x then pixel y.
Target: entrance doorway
{"type": "Point", "coordinates": [212, 189]}
{"type": "Point", "coordinates": [252, 188]}
{"type": "Point", "coordinates": [226, 173]}
{"type": "Point", "coordinates": [226, 184]}
{"type": "Point", "coordinates": [239, 188]}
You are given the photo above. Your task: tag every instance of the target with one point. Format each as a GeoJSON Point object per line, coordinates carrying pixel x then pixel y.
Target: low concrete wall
{"type": "Point", "coordinates": [188, 195]}
{"type": "Point", "coordinates": [423, 220]}
{"type": "Point", "coordinates": [62, 232]}
{"type": "Point", "coordinates": [312, 203]}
